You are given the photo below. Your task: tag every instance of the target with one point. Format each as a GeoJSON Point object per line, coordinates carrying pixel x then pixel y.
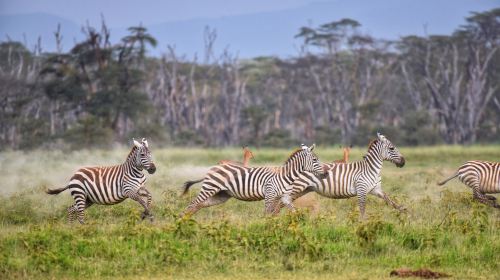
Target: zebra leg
{"type": "Point", "coordinates": [206, 198]}
{"type": "Point", "coordinates": [72, 213]}
{"type": "Point", "coordinates": [134, 195]}
{"type": "Point", "coordinates": [490, 197]}
{"type": "Point", "coordinates": [292, 197]}
{"type": "Point", "coordinates": [381, 194]}
{"type": "Point", "coordinates": [285, 200]}
{"type": "Point", "coordinates": [217, 199]}
{"type": "Point", "coordinates": [271, 205]}
{"type": "Point", "coordinates": [144, 193]}
{"type": "Point", "coordinates": [481, 197]}
{"type": "Point", "coordinates": [79, 206]}
{"type": "Point", "coordinates": [271, 199]}
{"type": "Point", "coordinates": [362, 202]}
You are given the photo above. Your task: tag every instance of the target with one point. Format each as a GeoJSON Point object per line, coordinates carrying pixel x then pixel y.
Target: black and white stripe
{"type": "Point", "coordinates": [112, 184]}
{"type": "Point", "coordinates": [254, 183]}
{"type": "Point", "coordinates": [482, 177]}
{"type": "Point", "coordinates": [344, 180]}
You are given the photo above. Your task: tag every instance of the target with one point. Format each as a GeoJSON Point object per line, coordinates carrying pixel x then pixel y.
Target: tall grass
{"type": "Point", "coordinates": [444, 229]}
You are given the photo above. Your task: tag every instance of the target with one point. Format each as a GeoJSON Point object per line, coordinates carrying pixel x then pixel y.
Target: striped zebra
{"type": "Point", "coordinates": [111, 184]}
{"type": "Point", "coordinates": [360, 178]}
{"type": "Point", "coordinates": [482, 177]}
{"type": "Point", "coordinates": [253, 183]}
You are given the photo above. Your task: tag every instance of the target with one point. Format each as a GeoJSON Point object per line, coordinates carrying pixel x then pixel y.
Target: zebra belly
{"type": "Point", "coordinates": [245, 198]}
{"type": "Point", "coordinates": [488, 186]}
{"type": "Point", "coordinates": [110, 201]}
{"type": "Point", "coordinates": [332, 188]}
{"type": "Point", "coordinates": [240, 183]}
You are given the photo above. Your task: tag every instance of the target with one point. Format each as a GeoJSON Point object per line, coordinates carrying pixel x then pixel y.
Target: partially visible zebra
{"type": "Point", "coordinates": [345, 180]}
{"type": "Point", "coordinates": [482, 177]}
{"type": "Point", "coordinates": [112, 184]}
{"type": "Point", "coordinates": [254, 183]}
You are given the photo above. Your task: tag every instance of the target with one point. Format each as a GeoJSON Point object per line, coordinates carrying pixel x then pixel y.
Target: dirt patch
{"type": "Point", "coordinates": [422, 273]}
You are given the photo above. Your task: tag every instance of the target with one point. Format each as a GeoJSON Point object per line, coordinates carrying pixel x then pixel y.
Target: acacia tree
{"type": "Point", "coordinates": [345, 72]}
{"type": "Point", "coordinates": [95, 89]}
{"type": "Point", "coordinates": [20, 100]}
{"type": "Point", "coordinates": [454, 77]}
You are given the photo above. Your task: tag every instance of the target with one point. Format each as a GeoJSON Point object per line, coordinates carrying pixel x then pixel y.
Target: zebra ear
{"type": "Point", "coordinates": [303, 146]}
{"type": "Point", "coordinates": [312, 147]}
{"type": "Point", "coordinates": [137, 144]}
{"type": "Point", "coordinates": [145, 142]}
{"type": "Point", "coordinates": [380, 136]}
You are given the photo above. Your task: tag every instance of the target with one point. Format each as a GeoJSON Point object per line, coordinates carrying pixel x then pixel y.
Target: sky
{"type": "Point", "coordinates": [248, 27]}
{"type": "Point", "coordinates": [125, 12]}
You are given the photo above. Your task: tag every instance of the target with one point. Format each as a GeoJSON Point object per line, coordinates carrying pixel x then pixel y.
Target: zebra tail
{"type": "Point", "coordinates": [188, 184]}
{"type": "Point", "coordinates": [445, 181]}
{"type": "Point", "coordinates": [56, 191]}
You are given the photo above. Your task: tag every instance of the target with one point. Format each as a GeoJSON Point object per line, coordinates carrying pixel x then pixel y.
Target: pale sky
{"type": "Point", "coordinates": [250, 27]}
{"type": "Point", "coordinates": [126, 12]}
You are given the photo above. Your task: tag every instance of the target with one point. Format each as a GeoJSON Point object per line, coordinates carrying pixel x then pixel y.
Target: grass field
{"type": "Point", "coordinates": [444, 230]}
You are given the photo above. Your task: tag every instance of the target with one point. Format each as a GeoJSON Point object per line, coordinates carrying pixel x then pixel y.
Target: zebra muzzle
{"type": "Point", "coordinates": [151, 169]}
{"type": "Point", "coordinates": [401, 163]}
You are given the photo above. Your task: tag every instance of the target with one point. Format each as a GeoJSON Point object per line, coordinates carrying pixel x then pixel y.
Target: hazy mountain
{"type": "Point", "coordinates": [266, 33]}
{"type": "Point", "coordinates": [27, 28]}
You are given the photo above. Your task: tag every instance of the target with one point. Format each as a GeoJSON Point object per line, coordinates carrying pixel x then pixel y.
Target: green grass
{"type": "Point", "coordinates": [444, 230]}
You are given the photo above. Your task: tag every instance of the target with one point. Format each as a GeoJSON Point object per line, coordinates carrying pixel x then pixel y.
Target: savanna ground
{"type": "Point", "coordinates": [444, 230]}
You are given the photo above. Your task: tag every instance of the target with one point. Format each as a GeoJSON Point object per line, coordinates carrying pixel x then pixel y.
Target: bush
{"type": "Point", "coordinates": [278, 138]}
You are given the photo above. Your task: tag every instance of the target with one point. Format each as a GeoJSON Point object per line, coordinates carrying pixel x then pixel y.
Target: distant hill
{"type": "Point", "coordinates": [30, 26]}
{"type": "Point", "coordinates": [265, 33]}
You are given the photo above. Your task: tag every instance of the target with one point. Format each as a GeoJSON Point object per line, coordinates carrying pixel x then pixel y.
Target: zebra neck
{"type": "Point", "coordinates": [374, 160]}
{"type": "Point", "coordinates": [131, 169]}
{"type": "Point", "coordinates": [289, 172]}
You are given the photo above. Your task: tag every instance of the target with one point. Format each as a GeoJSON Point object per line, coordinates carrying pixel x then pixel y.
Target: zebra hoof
{"type": "Point", "coordinates": [144, 215]}
{"type": "Point", "coordinates": [490, 197]}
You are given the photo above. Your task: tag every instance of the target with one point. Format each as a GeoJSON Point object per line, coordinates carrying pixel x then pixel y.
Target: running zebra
{"type": "Point", "coordinates": [254, 183]}
{"type": "Point", "coordinates": [482, 177]}
{"type": "Point", "coordinates": [112, 184]}
{"type": "Point", "coordinates": [345, 180]}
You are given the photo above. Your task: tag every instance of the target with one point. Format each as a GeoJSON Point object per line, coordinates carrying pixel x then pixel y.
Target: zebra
{"type": "Point", "coordinates": [112, 184]}
{"type": "Point", "coordinates": [482, 177]}
{"type": "Point", "coordinates": [253, 183]}
{"type": "Point", "coordinates": [360, 178]}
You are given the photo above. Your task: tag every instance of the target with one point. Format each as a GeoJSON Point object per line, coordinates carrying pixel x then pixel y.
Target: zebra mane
{"type": "Point", "coordinates": [292, 155]}
{"type": "Point", "coordinates": [372, 143]}
{"type": "Point", "coordinates": [134, 148]}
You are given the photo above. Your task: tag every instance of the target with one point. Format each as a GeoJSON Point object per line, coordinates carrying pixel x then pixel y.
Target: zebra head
{"type": "Point", "coordinates": [389, 152]}
{"type": "Point", "coordinates": [143, 157]}
{"type": "Point", "coordinates": [310, 161]}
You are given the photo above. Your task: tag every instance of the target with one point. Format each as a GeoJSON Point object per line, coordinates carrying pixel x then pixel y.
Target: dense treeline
{"type": "Point", "coordinates": [341, 88]}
